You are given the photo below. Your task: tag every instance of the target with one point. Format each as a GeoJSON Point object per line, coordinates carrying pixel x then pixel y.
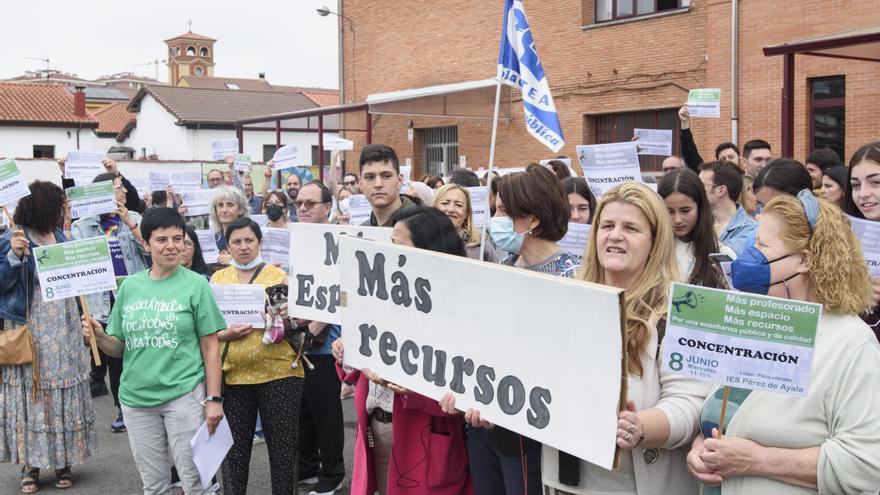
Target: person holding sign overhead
{"type": "Point", "coordinates": [406, 443]}
{"type": "Point", "coordinates": [631, 247]}
{"type": "Point", "coordinates": [258, 378]}
{"type": "Point", "coordinates": [164, 327]}
{"type": "Point", "coordinates": [455, 202]}
{"type": "Point", "coordinates": [46, 406]}
{"type": "Point", "coordinates": [129, 257]}
{"type": "Point", "coordinates": [825, 441]}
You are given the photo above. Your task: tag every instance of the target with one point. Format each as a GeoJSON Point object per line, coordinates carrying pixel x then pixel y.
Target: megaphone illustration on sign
{"type": "Point", "coordinates": [689, 299]}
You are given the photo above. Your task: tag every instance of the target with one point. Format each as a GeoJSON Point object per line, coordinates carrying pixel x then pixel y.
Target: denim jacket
{"type": "Point", "coordinates": [12, 296]}
{"type": "Point", "coordinates": [738, 231]}
{"type": "Point", "coordinates": [133, 255]}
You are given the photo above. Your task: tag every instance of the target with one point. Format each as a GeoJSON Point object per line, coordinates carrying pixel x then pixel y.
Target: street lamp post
{"type": "Point", "coordinates": [324, 12]}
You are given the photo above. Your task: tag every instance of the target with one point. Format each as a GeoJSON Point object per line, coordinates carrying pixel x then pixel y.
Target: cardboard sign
{"type": "Point", "coordinates": [479, 204]}
{"type": "Point", "coordinates": [84, 166]}
{"type": "Point", "coordinates": [183, 181]}
{"type": "Point", "coordinates": [314, 272]}
{"type": "Point", "coordinates": [576, 238]}
{"type": "Point", "coordinates": [704, 103]}
{"type": "Point", "coordinates": [92, 199]}
{"type": "Point", "coordinates": [285, 157]}
{"type": "Point", "coordinates": [74, 268]}
{"type": "Point", "coordinates": [241, 303]}
{"type": "Point", "coordinates": [868, 233]}
{"type": "Point", "coordinates": [12, 185]}
{"type": "Point", "coordinates": [607, 165]}
{"type": "Point", "coordinates": [654, 141]}
{"type": "Point", "coordinates": [221, 148]}
{"type": "Point", "coordinates": [740, 339]}
{"type": "Point", "coordinates": [198, 202]}
{"type": "Point", "coordinates": [209, 245]}
{"type": "Point", "coordinates": [359, 209]}
{"type": "Point", "coordinates": [276, 246]}
{"type": "Point", "coordinates": [409, 320]}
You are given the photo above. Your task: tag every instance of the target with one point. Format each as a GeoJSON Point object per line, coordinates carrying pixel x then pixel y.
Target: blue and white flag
{"type": "Point", "coordinates": [520, 67]}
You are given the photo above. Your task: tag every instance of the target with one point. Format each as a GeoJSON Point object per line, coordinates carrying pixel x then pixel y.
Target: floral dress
{"type": "Point", "coordinates": [57, 429]}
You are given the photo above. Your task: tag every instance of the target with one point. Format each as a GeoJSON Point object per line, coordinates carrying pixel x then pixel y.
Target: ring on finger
{"type": "Point", "coordinates": [628, 437]}
{"type": "Point", "coordinates": [631, 429]}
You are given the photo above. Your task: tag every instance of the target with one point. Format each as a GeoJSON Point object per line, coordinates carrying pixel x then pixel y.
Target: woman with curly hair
{"type": "Point", "coordinates": [46, 408]}
{"type": "Point", "coordinates": [631, 248]}
{"type": "Point", "coordinates": [825, 441]}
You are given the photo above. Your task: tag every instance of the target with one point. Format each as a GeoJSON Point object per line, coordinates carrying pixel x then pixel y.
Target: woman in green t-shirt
{"type": "Point", "coordinates": [164, 327]}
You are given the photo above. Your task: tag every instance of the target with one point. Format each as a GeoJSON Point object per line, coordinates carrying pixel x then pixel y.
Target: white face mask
{"type": "Point", "coordinates": [250, 266]}
{"type": "Point", "coordinates": [345, 205]}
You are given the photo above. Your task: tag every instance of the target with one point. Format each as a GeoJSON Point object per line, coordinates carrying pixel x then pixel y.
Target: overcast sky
{"type": "Point", "coordinates": [286, 39]}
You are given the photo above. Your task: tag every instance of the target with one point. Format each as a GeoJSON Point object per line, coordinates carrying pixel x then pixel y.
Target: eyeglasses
{"type": "Point", "coordinates": [307, 204]}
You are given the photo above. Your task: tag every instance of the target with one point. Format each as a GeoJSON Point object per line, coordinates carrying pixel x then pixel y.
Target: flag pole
{"type": "Point", "coordinates": [491, 161]}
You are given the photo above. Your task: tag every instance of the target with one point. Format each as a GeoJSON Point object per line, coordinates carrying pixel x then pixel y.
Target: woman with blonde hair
{"type": "Point", "coordinates": [825, 441]}
{"type": "Point", "coordinates": [631, 247]}
{"type": "Point", "coordinates": [343, 203]}
{"type": "Point", "coordinates": [455, 202]}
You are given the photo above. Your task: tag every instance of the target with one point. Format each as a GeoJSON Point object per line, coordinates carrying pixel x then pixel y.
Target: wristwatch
{"type": "Point", "coordinates": [214, 398]}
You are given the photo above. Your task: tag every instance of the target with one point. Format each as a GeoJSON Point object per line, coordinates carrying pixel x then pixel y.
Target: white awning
{"type": "Point", "coordinates": [470, 99]}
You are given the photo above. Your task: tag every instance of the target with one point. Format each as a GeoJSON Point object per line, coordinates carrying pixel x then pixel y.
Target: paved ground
{"type": "Point", "coordinates": [112, 471]}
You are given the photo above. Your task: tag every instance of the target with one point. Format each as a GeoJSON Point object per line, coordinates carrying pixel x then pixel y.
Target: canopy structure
{"type": "Point", "coordinates": [860, 44]}
{"type": "Point", "coordinates": [470, 99]}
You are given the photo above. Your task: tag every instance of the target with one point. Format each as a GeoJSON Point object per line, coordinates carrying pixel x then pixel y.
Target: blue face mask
{"type": "Point", "coordinates": [250, 266]}
{"type": "Point", "coordinates": [504, 235]}
{"type": "Point", "coordinates": [750, 272]}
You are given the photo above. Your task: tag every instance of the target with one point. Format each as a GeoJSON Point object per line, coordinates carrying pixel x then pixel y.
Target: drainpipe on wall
{"type": "Point", "coordinates": [79, 128]}
{"type": "Point", "coordinates": [734, 52]}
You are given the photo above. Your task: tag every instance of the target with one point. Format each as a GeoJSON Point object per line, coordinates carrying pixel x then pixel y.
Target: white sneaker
{"type": "Point", "coordinates": [331, 492]}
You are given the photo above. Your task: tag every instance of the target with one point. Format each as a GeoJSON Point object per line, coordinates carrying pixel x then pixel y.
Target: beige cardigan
{"type": "Point", "coordinates": [840, 414]}
{"type": "Point", "coordinates": [680, 398]}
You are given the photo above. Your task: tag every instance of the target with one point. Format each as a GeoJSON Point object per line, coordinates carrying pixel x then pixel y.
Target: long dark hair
{"type": "Point", "coordinates": [785, 175]}
{"type": "Point", "coordinates": [430, 229]}
{"type": "Point", "coordinates": [198, 260]}
{"type": "Point", "coordinates": [578, 185]}
{"type": "Point", "coordinates": [870, 152]}
{"type": "Point", "coordinates": [686, 181]}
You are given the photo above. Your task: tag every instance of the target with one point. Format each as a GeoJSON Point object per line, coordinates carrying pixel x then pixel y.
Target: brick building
{"type": "Point", "coordinates": [611, 71]}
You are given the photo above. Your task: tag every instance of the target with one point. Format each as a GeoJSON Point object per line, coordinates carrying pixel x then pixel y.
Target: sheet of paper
{"type": "Point", "coordinates": [479, 204]}
{"type": "Point", "coordinates": [75, 268]}
{"type": "Point", "coordinates": [575, 240]}
{"type": "Point", "coordinates": [868, 233]}
{"type": "Point", "coordinates": [406, 172]}
{"type": "Point", "coordinates": [704, 103]}
{"type": "Point", "coordinates": [91, 199]}
{"type": "Point", "coordinates": [285, 157]}
{"type": "Point", "coordinates": [198, 202]}
{"type": "Point", "coordinates": [241, 303]}
{"type": "Point", "coordinates": [210, 450]}
{"type": "Point", "coordinates": [139, 182]}
{"type": "Point", "coordinates": [654, 141]}
{"type": "Point", "coordinates": [208, 245]}
{"type": "Point", "coordinates": [83, 166]}
{"type": "Point", "coordinates": [337, 143]}
{"type": "Point", "coordinates": [262, 220]}
{"type": "Point", "coordinates": [276, 246]}
{"type": "Point", "coordinates": [222, 148]}
{"type": "Point", "coordinates": [12, 184]}
{"type": "Point", "coordinates": [359, 209]}
{"type": "Point", "coordinates": [241, 163]}
{"type": "Point", "coordinates": [607, 165]}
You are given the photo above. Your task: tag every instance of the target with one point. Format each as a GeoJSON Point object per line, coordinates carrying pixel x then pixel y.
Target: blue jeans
{"type": "Point", "coordinates": [494, 473]}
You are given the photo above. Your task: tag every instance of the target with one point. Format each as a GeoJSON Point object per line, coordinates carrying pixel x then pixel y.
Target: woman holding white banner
{"type": "Point", "coordinates": [825, 441]}
{"type": "Point", "coordinates": [631, 247]}
{"type": "Point", "coordinates": [692, 224]}
{"type": "Point", "coordinates": [862, 200]}
{"type": "Point", "coordinates": [46, 406]}
{"type": "Point", "coordinates": [257, 377]}
{"type": "Point", "coordinates": [406, 444]}
{"type": "Point", "coordinates": [455, 202]}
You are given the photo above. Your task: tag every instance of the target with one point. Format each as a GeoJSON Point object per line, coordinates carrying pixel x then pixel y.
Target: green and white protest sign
{"type": "Point", "coordinates": [12, 185]}
{"type": "Point", "coordinates": [740, 340]}
{"type": "Point", "coordinates": [704, 103]}
{"type": "Point", "coordinates": [92, 199]}
{"type": "Point", "coordinates": [75, 268]}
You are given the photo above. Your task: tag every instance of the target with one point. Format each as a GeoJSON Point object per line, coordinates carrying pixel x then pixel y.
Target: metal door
{"type": "Point", "coordinates": [440, 150]}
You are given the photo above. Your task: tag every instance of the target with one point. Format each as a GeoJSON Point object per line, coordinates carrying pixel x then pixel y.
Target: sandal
{"type": "Point", "coordinates": [30, 480]}
{"type": "Point", "coordinates": [63, 478]}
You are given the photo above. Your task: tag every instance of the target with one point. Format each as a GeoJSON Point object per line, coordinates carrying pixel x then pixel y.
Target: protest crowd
{"type": "Point", "coordinates": [212, 313]}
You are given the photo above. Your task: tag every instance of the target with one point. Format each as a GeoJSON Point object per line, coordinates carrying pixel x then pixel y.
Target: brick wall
{"type": "Point", "coordinates": [645, 64]}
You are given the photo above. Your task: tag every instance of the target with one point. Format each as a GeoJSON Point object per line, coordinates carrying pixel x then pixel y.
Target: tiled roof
{"type": "Point", "coordinates": [324, 99]}
{"type": "Point", "coordinates": [104, 94]}
{"type": "Point", "coordinates": [39, 104]}
{"type": "Point", "coordinates": [219, 106]}
{"type": "Point", "coordinates": [190, 36]}
{"type": "Point", "coordinates": [113, 118]}
{"type": "Point", "coordinates": [221, 82]}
